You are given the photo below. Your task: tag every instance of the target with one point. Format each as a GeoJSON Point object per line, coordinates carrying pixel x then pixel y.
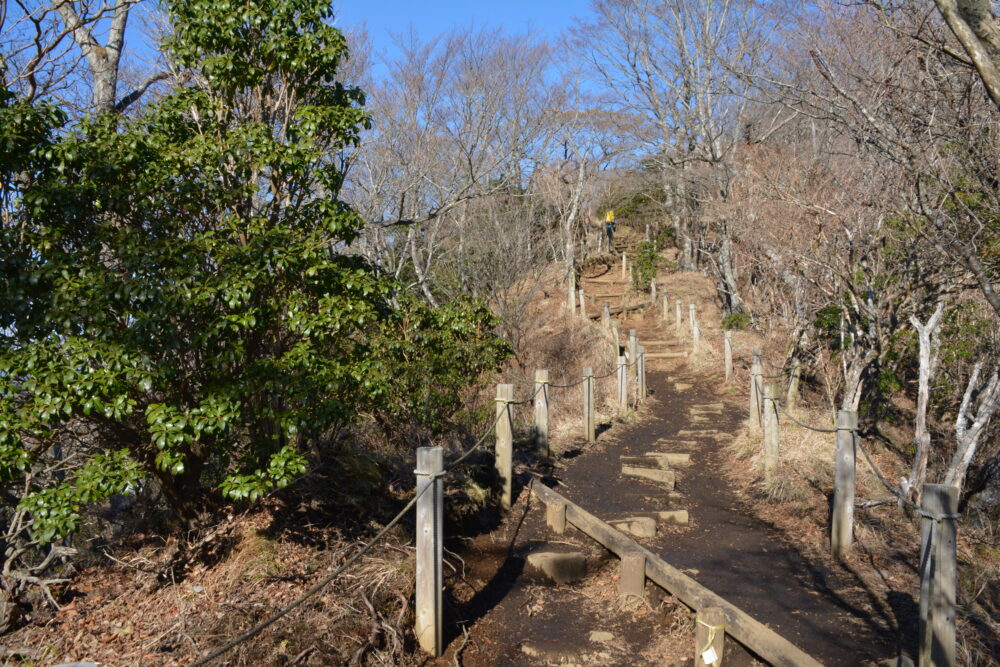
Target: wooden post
{"type": "Point", "coordinates": [430, 518]}
{"type": "Point", "coordinates": [589, 426]}
{"type": "Point", "coordinates": [624, 266]}
{"type": "Point", "coordinates": [677, 316]}
{"type": "Point", "coordinates": [641, 374]}
{"type": "Point", "coordinates": [709, 636]}
{"type": "Point", "coordinates": [691, 310]}
{"type": "Point", "coordinates": [571, 292]}
{"type": "Point", "coordinates": [542, 412]}
{"type": "Point", "coordinates": [632, 574]}
{"type": "Point", "coordinates": [505, 442]}
{"type": "Point", "coordinates": [666, 308]}
{"type": "Point", "coordinates": [652, 291]}
{"type": "Point", "coordinates": [727, 345]}
{"type": "Point", "coordinates": [616, 337]}
{"type": "Point", "coordinates": [842, 526]}
{"type": "Point", "coordinates": [622, 384]}
{"type": "Point", "coordinates": [555, 516]}
{"type": "Point", "coordinates": [633, 346]}
{"type": "Point", "coordinates": [755, 388]}
{"type": "Point", "coordinates": [792, 397]}
{"type": "Point", "coordinates": [583, 303]}
{"type": "Point", "coordinates": [938, 575]}
{"type": "Point", "coordinates": [606, 315]}
{"type": "Point", "coordinates": [771, 436]}
{"type": "Point", "coordinates": [696, 338]}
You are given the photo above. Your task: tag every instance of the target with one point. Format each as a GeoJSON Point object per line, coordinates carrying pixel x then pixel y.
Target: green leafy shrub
{"type": "Point", "coordinates": [645, 265]}
{"type": "Point", "coordinates": [176, 287]}
{"type": "Point", "coordinates": [736, 322]}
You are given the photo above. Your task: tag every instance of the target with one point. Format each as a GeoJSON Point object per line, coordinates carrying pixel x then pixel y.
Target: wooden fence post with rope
{"type": "Point", "coordinates": [616, 337]}
{"type": "Point", "coordinates": [430, 538]}
{"type": "Point", "coordinates": [589, 427]}
{"type": "Point", "coordinates": [842, 524]}
{"type": "Point", "coordinates": [938, 575]}
{"type": "Point", "coordinates": [792, 397]}
{"type": "Point", "coordinates": [772, 439]}
{"type": "Point", "coordinates": [756, 374]}
{"type": "Point", "coordinates": [641, 372]}
{"type": "Point", "coordinates": [622, 384]}
{"type": "Point", "coordinates": [541, 402]}
{"type": "Point", "coordinates": [709, 636]}
{"type": "Point", "coordinates": [505, 442]}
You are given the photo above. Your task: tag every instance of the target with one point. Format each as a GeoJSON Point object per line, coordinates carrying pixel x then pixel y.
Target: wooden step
{"type": "Point", "coordinates": [674, 442]}
{"type": "Point", "coordinates": [666, 355]}
{"type": "Point", "coordinates": [669, 458]}
{"type": "Point", "coordinates": [647, 461]}
{"type": "Point", "coordinates": [665, 477]}
{"type": "Point", "coordinates": [672, 517]}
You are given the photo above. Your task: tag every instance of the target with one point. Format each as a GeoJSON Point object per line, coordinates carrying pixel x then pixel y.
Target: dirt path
{"type": "Point", "coordinates": [515, 619]}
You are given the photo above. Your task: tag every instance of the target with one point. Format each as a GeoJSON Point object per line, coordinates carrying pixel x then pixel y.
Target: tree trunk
{"type": "Point", "coordinates": [928, 355]}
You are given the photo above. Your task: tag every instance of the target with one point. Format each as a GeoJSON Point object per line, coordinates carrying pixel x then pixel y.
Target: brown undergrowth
{"type": "Point", "coordinates": [122, 612]}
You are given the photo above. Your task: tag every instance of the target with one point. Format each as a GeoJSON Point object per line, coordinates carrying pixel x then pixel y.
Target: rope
{"type": "Point", "coordinates": [899, 494]}
{"type": "Point", "coordinates": [712, 629]}
{"type": "Point", "coordinates": [568, 386]}
{"type": "Point", "coordinates": [772, 364]}
{"type": "Point", "coordinates": [889, 487]}
{"type": "Point", "coordinates": [263, 625]}
{"type": "Point", "coordinates": [777, 404]}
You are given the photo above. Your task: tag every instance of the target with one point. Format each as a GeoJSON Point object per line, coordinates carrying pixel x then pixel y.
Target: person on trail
{"type": "Point", "coordinates": [609, 228]}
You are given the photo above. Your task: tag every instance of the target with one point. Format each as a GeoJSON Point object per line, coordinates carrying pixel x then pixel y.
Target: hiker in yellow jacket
{"type": "Point", "coordinates": [609, 228]}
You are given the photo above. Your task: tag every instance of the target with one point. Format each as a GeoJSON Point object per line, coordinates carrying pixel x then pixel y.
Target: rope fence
{"type": "Point", "coordinates": [938, 509]}
{"type": "Point", "coordinates": [429, 507]}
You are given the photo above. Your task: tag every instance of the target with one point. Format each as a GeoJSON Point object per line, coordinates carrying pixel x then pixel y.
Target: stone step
{"type": "Point", "coordinates": [670, 517]}
{"type": "Point", "coordinates": [665, 477]}
{"type": "Point", "coordinates": [709, 408]}
{"type": "Point", "coordinates": [704, 433]}
{"type": "Point", "coordinates": [669, 458]}
{"type": "Point", "coordinates": [640, 526]}
{"type": "Point", "coordinates": [647, 461]}
{"type": "Point", "coordinates": [682, 386]}
{"type": "Point", "coordinates": [666, 355]}
{"type": "Point", "coordinates": [674, 442]}
{"type": "Point", "coordinates": [560, 567]}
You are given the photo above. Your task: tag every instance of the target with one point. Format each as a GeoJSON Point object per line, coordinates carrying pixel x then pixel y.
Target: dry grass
{"type": "Point", "coordinates": [886, 540]}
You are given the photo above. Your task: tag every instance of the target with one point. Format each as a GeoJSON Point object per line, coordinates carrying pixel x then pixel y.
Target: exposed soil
{"type": "Point", "coordinates": [512, 618]}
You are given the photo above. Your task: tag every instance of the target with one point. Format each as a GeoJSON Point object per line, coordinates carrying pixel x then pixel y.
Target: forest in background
{"type": "Point", "coordinates": [257, 253]}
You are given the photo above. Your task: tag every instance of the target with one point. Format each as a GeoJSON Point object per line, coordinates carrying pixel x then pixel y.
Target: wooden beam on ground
{"type": "Point", "coordinates": [742, 627]}
{"type": "Point", "coordinates": [621, 309]}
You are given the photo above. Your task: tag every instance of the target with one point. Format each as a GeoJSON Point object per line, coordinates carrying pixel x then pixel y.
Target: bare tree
{"type": "Point", "coordinates": [458, 118]}
{"type": "Point", "coordinates": [44, 44]}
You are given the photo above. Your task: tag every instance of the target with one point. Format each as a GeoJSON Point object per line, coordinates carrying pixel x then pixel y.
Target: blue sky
{"type": "Point", "coordinates": [431, 17]}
